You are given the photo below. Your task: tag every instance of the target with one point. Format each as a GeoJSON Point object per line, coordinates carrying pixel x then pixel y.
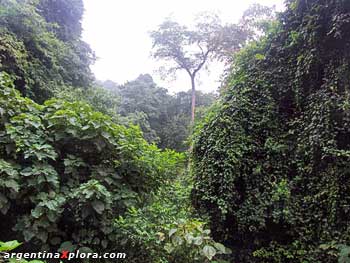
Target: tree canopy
{"type": "Point", "coordinates": [191, 49]}
{"type": "Point", "coordinates": [35, 51]}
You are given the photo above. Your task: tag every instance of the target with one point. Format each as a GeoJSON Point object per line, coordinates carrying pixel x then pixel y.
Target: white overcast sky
{"type": "Point", "coordinates": [118, 32]}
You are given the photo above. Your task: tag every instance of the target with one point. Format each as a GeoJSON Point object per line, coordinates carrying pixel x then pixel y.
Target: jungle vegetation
{"type": "Point", "coordinates": [260, 174]}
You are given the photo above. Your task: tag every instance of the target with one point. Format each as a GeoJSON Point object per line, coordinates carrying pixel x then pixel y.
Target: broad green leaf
{"type": "Point", "coordinates": [209, 252]}
{"type": "Point", "coordinates": [220, 247]}
{"type": "Point", "coordinates": [198, 241]}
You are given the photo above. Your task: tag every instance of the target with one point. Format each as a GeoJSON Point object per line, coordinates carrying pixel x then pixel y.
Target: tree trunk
{"type": "Point", "coordinates": [193, 105]}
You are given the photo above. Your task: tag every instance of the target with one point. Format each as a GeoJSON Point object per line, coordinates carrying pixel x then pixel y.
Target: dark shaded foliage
{"type": "Point", "coordinates": [34, 50]}
{"type": "Point", "coordinates": [271, 163]}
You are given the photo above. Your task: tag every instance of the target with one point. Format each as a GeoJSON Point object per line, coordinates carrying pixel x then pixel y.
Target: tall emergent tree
{"type": "Point", "coordinates": [190, 49]}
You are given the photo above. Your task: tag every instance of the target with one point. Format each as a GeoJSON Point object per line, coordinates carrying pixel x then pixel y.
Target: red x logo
{"type": "Point", "coordinates": [64, 254]}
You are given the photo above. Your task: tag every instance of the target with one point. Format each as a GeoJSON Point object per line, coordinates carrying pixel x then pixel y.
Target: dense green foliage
{"type": "Point", "coordinates": [100, 99]}
{"type": "Point", "coordinates": [71, 175]}
{"type": "Point", "coordinates": [34, 50]}
{"type": "Point", "coordinates": [165, 119]}
{"type": "Point", "coordinates": [144, 103]}
{"type": "Point", "coordinates": [166, 229]}
{"type": "Point", "coordinates": [271, 162]}
{"type": "Point", "coordinates": [67, 172]}
{"type": "Point", "coordinates": [80, 166]}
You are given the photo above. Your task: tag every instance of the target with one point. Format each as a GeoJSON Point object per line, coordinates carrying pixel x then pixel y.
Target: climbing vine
{"type": "Point", "coordinates": [271, 163]}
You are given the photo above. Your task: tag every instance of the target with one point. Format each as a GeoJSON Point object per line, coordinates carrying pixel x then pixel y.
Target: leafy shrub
{"type": "Point", "coordinates": [66, 172]}
{"type": "Point", "coordinates": [271, 162]}
{"type": "Point", "coordinates": [188, 241]}
{"type": "Point", "coordinates": [166, 230]}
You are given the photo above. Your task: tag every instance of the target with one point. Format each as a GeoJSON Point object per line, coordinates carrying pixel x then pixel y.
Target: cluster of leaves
{"type": "Point", "coordinates": [34, 49]}
{"type": "Point", "coordinates": [271, 161]}
{"type": "Point", "coordinates": [166, 230]}
{"type": "Point", "coordinates": [190, 242]}
{"type": "Point", "coordinates": [67, 172]}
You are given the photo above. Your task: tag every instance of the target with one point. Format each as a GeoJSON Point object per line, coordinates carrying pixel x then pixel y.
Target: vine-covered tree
{"type": "Point", "coordinates": [271, 163]}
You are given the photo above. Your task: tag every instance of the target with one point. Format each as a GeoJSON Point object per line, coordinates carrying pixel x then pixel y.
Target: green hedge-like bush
{"type": "Point", "coordinates": [271, 163]}
{"type": "Point", "coordinates": [66, 172]}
